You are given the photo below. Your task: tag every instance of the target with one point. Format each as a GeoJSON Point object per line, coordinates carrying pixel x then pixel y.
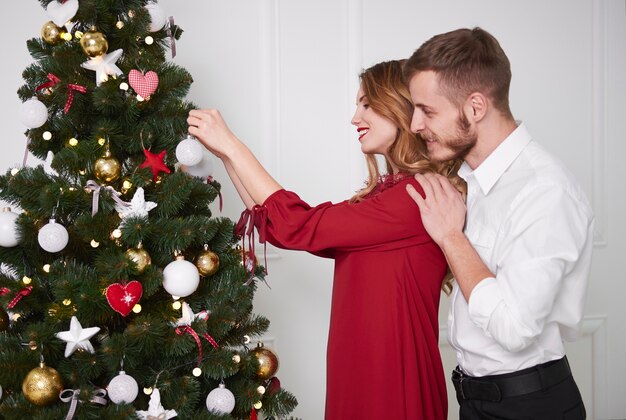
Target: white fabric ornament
{"type": "Point", "coordinates": [180, 278]}
{"type": "Point", "coordinates": [47, 166]}
{"type": "Point", "coordinates": [189, 152]}
{"type": "Point", "coordinates": [8, 229]}
{"type": "Point", "coordinates": [138, 206]}
{"type": "Point", "coordinates": [220, 400]}
{"type": "Point", "coordinates": [157, 17]}
{"type": "Point", "coordinates": [61, 13]}
{"type": "Point", "coordinates": [203, 169]}
{"type": "Point", "coordinates": [188, 316]}
{"type": "Point", "coordinates": [155, 409]}
{"type": "Point", "coordinates": [77, 337]}
{"type": "Point", "coordinates": [53, 237]}
{"type": "Point", "coordinates": [33, 113]}
{"type": "Point", "coordinates": [104, 66]}
{"type": "Point", "coordinates": [123, 389]}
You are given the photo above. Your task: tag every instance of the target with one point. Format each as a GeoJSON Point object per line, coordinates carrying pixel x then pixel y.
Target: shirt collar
{"type": "Point", "coordinates": [492, 168]}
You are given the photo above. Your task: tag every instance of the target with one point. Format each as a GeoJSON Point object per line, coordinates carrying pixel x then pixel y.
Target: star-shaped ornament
{"type": "Point", "coordinates": [77, 337]}
{"type": "Point", "coordinates": [138, 206]}
{"type": "Point", "coordinates": [155, 163]}
{"type": "Point", "coordinates": [104, 66]}
{"type": "Point", "coordinates": [155, 409]}
{"type": "Point", "coordinates": [188, 316]}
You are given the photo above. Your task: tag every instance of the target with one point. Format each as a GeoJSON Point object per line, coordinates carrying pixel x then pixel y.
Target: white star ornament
{"type": "Point", "coordinates": [77, 337]}
{"type": "Point", "coordinates": [104, 66]}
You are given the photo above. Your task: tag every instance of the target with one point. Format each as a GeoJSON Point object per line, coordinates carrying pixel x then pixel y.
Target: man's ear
{"type": "Point", "coordinates": [477, 106]}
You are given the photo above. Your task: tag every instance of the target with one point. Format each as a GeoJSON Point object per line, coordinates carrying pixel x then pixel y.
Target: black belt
{"type": "Point", "coordinates": [496, 387]}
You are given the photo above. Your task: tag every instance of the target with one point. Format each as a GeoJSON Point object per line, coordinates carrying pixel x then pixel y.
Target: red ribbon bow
{"type": "Point", "coordinates": [53, 80]}
{"type": "Point", "coordinates": [249, 219]}
{"type": "Point", "coordinates": [182, 329]}
{"type": "Point", "coordinates": [21, 294]}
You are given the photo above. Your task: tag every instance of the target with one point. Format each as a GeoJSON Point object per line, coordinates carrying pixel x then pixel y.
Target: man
{"type": "Point", "coordinates": [522, 256]}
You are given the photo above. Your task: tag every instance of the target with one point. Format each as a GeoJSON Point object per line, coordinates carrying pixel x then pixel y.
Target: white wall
{"type": "Point", "coordinates": [284, 73]}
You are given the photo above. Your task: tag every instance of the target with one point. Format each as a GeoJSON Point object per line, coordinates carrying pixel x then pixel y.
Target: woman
{"type": "Point", "coordinates": [383, 357]}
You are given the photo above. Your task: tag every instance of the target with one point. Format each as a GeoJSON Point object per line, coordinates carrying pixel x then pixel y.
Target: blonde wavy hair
{"type": "Point", "coordinates": [384, 86]}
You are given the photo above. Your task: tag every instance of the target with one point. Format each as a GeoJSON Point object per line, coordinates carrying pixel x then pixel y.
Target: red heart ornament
{"type": "Point", "coordinates": [123, 297]}
{"type": "Point", "coordinates": [144, 84]}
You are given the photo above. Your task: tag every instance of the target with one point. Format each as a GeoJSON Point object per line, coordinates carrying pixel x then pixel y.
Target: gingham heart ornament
{"type": "Point", "coordinates": [62, 12]}
{"type": "Point", "coordinates": [144, 84]}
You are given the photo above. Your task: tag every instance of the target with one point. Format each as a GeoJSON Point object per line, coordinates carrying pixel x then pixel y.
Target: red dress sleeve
{"type": "Point", "coordinates": [388, 220]}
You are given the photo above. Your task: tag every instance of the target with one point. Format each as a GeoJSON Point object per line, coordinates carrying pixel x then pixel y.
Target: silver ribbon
{"type": "Point", "coordinates": [71, 396]}
{"type": "Point", "coordinates": [96, 188]}
{"type": "Point", "coordinates": [25, 153]}
{"type": "Point", "coordinates": [171, 35]}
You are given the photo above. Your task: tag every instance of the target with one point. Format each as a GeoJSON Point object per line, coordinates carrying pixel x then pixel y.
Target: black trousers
{"type": "Point", "coordinates": [555, 402]}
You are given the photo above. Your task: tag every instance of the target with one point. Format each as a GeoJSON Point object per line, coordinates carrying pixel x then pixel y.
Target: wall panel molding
{"type": "Point", "coordinates": [599, 121]}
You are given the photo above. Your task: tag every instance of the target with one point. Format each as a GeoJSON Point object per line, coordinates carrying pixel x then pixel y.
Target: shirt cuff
{"type": "Point", "coordinates": [483, 300]}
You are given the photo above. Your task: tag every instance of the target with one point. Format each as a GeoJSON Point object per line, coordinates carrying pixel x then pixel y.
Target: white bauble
{"type": "Point", "coordinates": [53, 237]}
{"type": "Point", "coordinates": [8, 230]}
{"type": "Point", "coordinates": [180, 278]}
{"type": "Point", "coordinates": [33, 113]}
{"type": "Point", "coordinates": [189, 152]}
{"type": "Point", "coordinates": [157, 17]}
{"type": "Point", "coordinates": [220, 400]}
{"type": "Point", "coordinates": [202, 169]}
{"type": "Point", "coordinates": [123, 389]}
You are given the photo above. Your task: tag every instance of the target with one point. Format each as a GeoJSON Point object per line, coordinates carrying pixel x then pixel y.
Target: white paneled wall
{"type": "Point", "coordinates": [284, 73]}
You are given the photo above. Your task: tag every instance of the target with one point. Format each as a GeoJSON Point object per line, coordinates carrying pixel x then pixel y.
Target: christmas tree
{"type": "Point", "coordinates": [121, 295]}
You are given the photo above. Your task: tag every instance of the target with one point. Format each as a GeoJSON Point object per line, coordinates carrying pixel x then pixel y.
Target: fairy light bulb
{"type": "Point", "coordinates": [73, 142]}
{"type": "Point", "coordinates": [101, 141]}
{"type": "Point", "coordinates": [46, 268]}
{"type": "Point", "coordinates": [116, 234]}
{"type": "Point", "coordinates": [67, 302]}
{"type": "Point", "coordinates": [177, 305]}
{"type": "Point", "coordinates": [149, 40]}
{"type": "Point", "coordinates": [197, 372]}
{"type": "Point", "coordinates": [147, 391]}
{"type": "Point", "coordinates": [137, 308]}
{"type": "Point", "coordinates": [94, 243]}
{"type": "Point", "coordinates": [124, 86]}
{"type": "Point", "coordinates": [26, 280]}
{"type": "Point", "coordinates": [47, 135]}
{"type": "Point", "coordinates": [14, 171]}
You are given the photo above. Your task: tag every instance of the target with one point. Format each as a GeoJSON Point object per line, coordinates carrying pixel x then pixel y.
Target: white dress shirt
{"type": "Point", "coordinates": [533, 227]}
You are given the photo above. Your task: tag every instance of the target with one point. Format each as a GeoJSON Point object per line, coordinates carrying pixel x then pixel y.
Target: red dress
{"type": "Point", "coordinates": [383, 359]}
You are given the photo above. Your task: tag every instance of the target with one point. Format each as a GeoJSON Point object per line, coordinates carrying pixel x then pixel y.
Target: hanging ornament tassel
{"type": "Point", "coordinates": [21, 294]}
{"type": "Point", "coordinates": [71, 396]}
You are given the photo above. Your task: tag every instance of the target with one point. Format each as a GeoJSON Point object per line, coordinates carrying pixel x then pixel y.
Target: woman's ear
{"type": "Point", "coordinates": [477, 105]}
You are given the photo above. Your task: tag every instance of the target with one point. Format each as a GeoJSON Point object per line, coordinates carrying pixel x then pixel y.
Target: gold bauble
{"type": "Point", "coordinates": [51, 33]}
{"type": "Point", "coordinates": [42, 385]}
{"type": "Point", "coordinates": [140, 257]}
{"type": "Point", "coordinates": [94, 44]}
{"type": "Point", "coordinates": [208, 262]}
{"type": "Point", "coordinates": [268, 362]}
{"type": "Point", "coordinates": [107, 168]}
{"type": "Point", "coordinates": [4, 320]}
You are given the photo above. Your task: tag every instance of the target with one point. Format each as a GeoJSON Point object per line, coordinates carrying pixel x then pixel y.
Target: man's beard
{"type": "Point", "coordinates": [461, 144]}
